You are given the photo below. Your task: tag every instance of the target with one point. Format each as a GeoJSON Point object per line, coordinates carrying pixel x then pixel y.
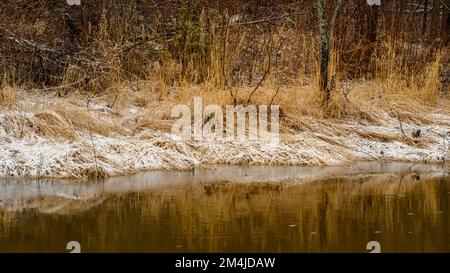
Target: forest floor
{"type": "Point", "coordinates": [53, 134]}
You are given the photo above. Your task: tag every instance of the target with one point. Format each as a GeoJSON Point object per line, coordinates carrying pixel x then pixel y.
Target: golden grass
{"type": "Point", "coordinates": [64, 121]}
{"type": "Point", "coordinates": [9, 96]}
{"type": "Point", "coordinates": [50, 124]}
{"type": "Point", "coordinates": [357, 101]}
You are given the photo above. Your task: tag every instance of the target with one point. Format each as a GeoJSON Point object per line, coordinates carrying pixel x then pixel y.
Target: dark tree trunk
{"type": "Point", "coordinates": [372, 23]}
{"type": "Point", "coordinates": [446, 23]}
{"type": "Point", "coordinates": [425, 18]}
{"type": "Point", "coordinates": [368, 28]}
{"type": "Point", "coordinates": [324, 52]}
{"type": "Point", "coordinates": [435, 20]}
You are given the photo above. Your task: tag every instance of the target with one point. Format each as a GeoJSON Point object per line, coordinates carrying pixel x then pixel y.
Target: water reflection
{"type": "Point", "coordinates": [405, 211]}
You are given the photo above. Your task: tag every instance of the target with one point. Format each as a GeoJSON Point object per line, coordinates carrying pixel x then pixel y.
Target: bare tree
{"type": "Point", "coordinates": [326, 30]}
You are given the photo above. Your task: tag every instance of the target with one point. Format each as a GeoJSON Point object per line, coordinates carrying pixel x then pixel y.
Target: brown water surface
{"type": "Point", "coordinates": [404, 207]}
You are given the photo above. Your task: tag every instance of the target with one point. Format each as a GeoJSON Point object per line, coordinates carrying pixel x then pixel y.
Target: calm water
{"type": "Point", "coordinates": [226, 209]}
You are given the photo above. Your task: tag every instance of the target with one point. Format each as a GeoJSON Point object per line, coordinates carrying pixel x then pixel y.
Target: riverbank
{"type": "Point", "coordinates": [49, 134]}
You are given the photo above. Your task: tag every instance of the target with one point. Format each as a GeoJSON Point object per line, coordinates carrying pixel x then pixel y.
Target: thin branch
{"type": "Point", "coordinates": [276, 93]}
{"type": "Point", "coordinates": [401, 126]}
{"type": "Point", "coordinates": [93, 148]}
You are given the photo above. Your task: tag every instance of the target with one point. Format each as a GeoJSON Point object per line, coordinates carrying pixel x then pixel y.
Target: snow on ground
{"type": "Point", "coordinates": [30, 154]}
{"type": "Point", "coordinates": [436, 151]}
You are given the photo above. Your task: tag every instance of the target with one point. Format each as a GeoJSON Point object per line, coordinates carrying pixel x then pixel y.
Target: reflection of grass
{"type": "Point", "coordinates": [331, 215]}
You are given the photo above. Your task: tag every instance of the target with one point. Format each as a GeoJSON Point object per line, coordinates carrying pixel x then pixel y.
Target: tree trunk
{"type": "Point", "coordinates": [435, 19]}
{"type": "Point", "coordinates": [368, 26]}
{"type": "Point", "coordinates": [324, 53]}
{"type": "Point", "coordinates": [425, 18]}
{"type": "Point", "coordinates": [446, 23]}
{"type": "Point", "coordinates": [372, 23]}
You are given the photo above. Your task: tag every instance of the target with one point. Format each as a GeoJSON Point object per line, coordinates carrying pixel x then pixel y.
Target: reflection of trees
{"type": "Point", "coordinates": [331, 215]}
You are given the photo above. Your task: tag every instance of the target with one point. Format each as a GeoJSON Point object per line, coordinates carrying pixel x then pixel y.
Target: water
{"type": "Point", "coordinates": [405, 207]}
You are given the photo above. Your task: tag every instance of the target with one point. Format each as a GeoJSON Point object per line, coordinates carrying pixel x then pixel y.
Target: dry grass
{"type": "Point", "coordinates": [9, 97]}
{"type": "Point", "coordinates": [132, 107]}
{"type": "Point", "coordinates": [50, 124]}
{"type": "Point", "coordinates": [64, 121]}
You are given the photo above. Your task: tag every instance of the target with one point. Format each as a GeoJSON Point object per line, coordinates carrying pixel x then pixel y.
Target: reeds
{"type": "Point", "coordinates": [9, 96]}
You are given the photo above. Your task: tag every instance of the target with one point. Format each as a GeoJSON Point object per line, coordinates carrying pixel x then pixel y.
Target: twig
{"type": "Point", "coordinates": [400, 183]}
{"type": "Point", "coordinates": [347, 91]}
{"type": "Point", "coordinates": [412, 166]}
{"type": "Point", "coordinates": [114, 102]}
{"type": "Point", "coordinates": [377, 159]}
{"type": "Point", "coordinates": [59, 57]}
{"type": "Point", "coordinates": [267, 71]}
{"type": "Point", "coordinates": [224, 53]}
{"type": "Point", "coordinates": [265, 20]}
{"type": "Point", "coordinates": [401, 126]}
{"type": "Point", "coordinates": [141, 42]}
{"type": "Point", "coordinates": [93, 148]}
{"type": "Point", "coordinates": [276, 93]}
{"type": "Point", "coordinates": [261, 81]}
{"type": "Point", "coordinates": [59, 87]}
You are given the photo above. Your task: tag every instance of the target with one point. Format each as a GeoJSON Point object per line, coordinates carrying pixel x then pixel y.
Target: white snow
{"type": "Point", "coordinates": [29, 154]}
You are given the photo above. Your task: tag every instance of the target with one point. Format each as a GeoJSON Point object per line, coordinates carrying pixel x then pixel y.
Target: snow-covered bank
{"type": "Point", "coordinates": [35, 155]}
{"type": "Point", "coordinates": [31, 144]}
